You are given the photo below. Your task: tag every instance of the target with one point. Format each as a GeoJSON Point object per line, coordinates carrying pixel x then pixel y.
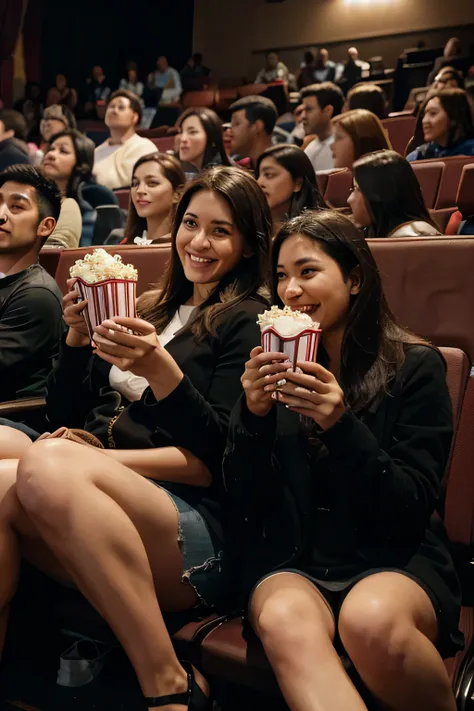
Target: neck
{"type": "Point", "coordinates": [62, 184]}
{"type": "Point", "coordinates": [121, 135]}
{"type": "Point", "coordinates": [17, 262]}
{"type": "Point", "coordinates": [442, 140]}
{"type": "Point", "coordinates": [158, 226]}
{"type": "Point", "coordinates": [279, 214]}
{"type": "Point", "coordinates": [200, 293]}
{"type": "Point", "coordinates": [332, 342]}
{"type": "Point", "coordinates": [260, 145]}
{"type": "Point", "coordinates": [324, 132]}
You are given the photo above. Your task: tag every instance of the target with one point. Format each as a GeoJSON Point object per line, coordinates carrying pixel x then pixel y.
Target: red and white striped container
{"type": "Point", "coordinates": [108, 298]}
{"type": "Point", "coordinates": [303, 347]}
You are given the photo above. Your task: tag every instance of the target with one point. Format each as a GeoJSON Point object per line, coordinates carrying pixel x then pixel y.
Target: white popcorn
{"type": "Point", "coordinates": [288, 323]}
{"type": "Point", "coordinates": [101, 265]}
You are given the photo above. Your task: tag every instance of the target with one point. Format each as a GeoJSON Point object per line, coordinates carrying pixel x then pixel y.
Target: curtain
{"type": "Point", "coordinates": [11, 21]}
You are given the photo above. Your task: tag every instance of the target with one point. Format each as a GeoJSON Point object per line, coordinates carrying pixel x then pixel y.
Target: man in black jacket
{"type": "Point", "coordinates": [13, 131]}
{"type": "Point", "coordinates": [30, 301]}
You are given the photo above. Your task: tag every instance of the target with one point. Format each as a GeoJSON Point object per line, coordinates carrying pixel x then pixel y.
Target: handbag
{"type": "Point", "coordinates": [74, 435]}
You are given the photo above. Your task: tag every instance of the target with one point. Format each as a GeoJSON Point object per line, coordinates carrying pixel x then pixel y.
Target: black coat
{"type": "Point", "coordinates": [13, 151]}
{"type": "Point", "coordinates": [368, 503]}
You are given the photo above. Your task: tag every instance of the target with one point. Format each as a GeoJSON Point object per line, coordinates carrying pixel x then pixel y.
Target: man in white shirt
{"type": "Point", "coordinates": [321, 103]}
{"type": "Point", "coordinates": [167, 79]}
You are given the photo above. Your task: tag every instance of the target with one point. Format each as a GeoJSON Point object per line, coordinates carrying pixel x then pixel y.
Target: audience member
{"type": "Point", "coordinates": [131, 83]}
{"type": "Point", "coordinates": [387, 198]}
{"type": "Point", "coordinates": [447, 123]}
{"type": "Point", "coordinates": [334, 475]}
{"type": "Point", "coordinates": [116, 532]}
{"type": "Point", "coordinates": [253, 121]}
{"type": "Point", "coordinates": [194, 75]}
{"type": "Point", "coordinates": [227, 139]}
{"type": "Point", "coordinates": [67, 232]}
{"type": "Point", "coordinates": [306, 72]}
{"type": "Point", "coordinates": [61, 94]}
{"type": "Point", "coordinates": [452, 50]}
{"type": "Point", "coordinates": [356, 133]}
{"type": "Point", "coordinates": [55, 119]}
{"type": "Point", "coordinates": [30, 300]}
{"type": "Point", "coordinates": [115, 158]}
{"type": "Point", "coordinates": [322, 102]}
{"type": "Point", "coordinates": [324, 68]}
{"type": "Point", "coordinates": [200, 139]}
{"type": "Point", "coordinates": [31, 107]}
{"type": "Point", "coordinates": [69, 161]}
{"type": "Point", "coordinates": [167, 80]}
{"type": "Point", "coordinates": [156, 184]}
{"type": "Point", "coordinates": [288, 181]}
{"type": "Point", "coordinates": [274, 70]}
{"type": "Point", "coordinates": [13, 132]}
{"type": "Point", "coordinates": [98, 90]}
{"type": "Point", "coordinates": [370, 97]}
{"type": "Point", "coordinates": [298, 132]}
{"type": "Point", "coordinates": [448, 78]}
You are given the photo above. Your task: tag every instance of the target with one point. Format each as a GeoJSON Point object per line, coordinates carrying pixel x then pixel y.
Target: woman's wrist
{"type": "Point", "coordinates": [165, 376]}
{"type": "Point", "coordinates": [75, 339]}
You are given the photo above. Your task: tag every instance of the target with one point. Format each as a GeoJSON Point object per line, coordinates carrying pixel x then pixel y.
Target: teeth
{"type": "Point", "coordinates": [199, 259]}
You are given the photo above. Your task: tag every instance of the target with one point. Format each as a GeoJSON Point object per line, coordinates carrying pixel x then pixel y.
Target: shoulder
{"type": "Point", "coordinates": [423, 362]}
{"type": "Point", "coordinates": [141, 144]}
{"type": "Point", "coordinates": [467, 147]}
{"type": "Point", "coordinates": [38, 288]}
{"type": "Point", "coordinates": [242, 316]}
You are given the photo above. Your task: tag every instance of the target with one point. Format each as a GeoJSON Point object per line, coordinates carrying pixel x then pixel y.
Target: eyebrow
{"type": "Point", "coordinates": [20, 196]}
{"type": "Point", "coordinates": [300, 262]}
{"type": "Point", "coordinates": [213, 222]}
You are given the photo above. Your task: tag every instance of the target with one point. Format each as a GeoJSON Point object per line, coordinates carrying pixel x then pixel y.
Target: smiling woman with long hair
{"type": "Point", "coordinates": [334, 476]}
{"type": "Point", "coordinates": [137, 526]}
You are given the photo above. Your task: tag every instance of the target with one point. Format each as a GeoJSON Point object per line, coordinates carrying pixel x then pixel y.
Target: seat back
{"type": "Point", "coordinates": [251, 89]}
{"type": "Point", "coordinates": [429, 177]}
{"type": "Point", "coordinates": [400, 131]}
{"type": "Point", "coordinates": [108, 218]}
{"type": "Point", "coordinates": [165, 143]}
{"type": "Point", "coordinates": [49, 259]}
{"type": "Point", "coordinates": [338, 188]}
{"type": "Point", "coordinates": [451, 178]}
{"type": "Point", "coordinates": [465, 196]}
{"type": "Point", "coordinates": [150, 262]}
{"type": "Point", "coordinates": [203, 99]}
{"type": "Point", "coordinates": [429, 286]}
{"type": "Point", "coordinates": [123, 197]}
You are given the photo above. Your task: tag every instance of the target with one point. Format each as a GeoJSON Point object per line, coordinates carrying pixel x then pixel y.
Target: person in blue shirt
{"type": "Point", "coordinates": [447, 124]}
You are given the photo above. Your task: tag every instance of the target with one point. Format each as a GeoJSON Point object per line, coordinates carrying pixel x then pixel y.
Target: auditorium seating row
{"type": "Point", "coordinates": [429, 287]}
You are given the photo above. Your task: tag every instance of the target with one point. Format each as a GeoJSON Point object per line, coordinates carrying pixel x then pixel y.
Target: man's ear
{"type": "Point", "coordinates": [8, 134]}
{"type": "Point", "coordinates": [328, 111]}
{"type": "Point", "coordinates": [259, 126]}
{"type": "Point", "coordinates": [45, 227]}
{"type": "Point", "coordinates": [355, 279]}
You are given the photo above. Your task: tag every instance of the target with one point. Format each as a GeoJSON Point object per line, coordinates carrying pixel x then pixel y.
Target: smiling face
{"type": "Point", "coordinates": [277, 184]}
{"type": "Point", "coordinates": [21, 228]}
{"type": "Point", "coordinates": [435, 123]}
{"type": "Point", "coordinates": [208, 242]}
{"type": "Point", "coordinates": [342, 149]}
{"type": "Point", "coordinates": [60, 159]}
{"type": "Point", "coordinates": [152, 193]}
{"type": "Point", "coordinates": [192, 141]}
{"type": "Point", "coordinates": [311, 282]}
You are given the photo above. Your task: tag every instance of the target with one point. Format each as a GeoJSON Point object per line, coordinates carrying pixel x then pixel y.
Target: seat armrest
{"type": "Point", "coordinates": [28, 404]}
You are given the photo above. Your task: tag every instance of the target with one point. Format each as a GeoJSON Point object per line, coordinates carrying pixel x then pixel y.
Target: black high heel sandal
{"type": "Point", "coordinates": [193, 699]}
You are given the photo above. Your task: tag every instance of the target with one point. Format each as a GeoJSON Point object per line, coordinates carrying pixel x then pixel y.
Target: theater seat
{"type": "Point", "coordinates": [49, 258]}
{"type": "Point", "coordinates": [165, 143]}
{"type": "Point", "coordinates": [429, 176]}
{"type": "Point", "coordinates": [465, 196]}
{"type": "Point", "coordinates": [150, 262]}
{"type": "Point", "coordinates": [450, 181]}
{"type": "Point", "coordinates": [400, 131]}
{"type": "Point", "coordinates": [251, 89]}
{"type": "Point", "coordinates": [338, 188]}
{"type": "Point", "coordinates": [123, 197]}
{"type": "Point", "coordinates": [225, 96]}
{"type": "Point", "coordinates": [203, 99]}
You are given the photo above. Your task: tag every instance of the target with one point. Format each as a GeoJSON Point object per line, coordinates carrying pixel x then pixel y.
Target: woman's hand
{"type": "Point", "coordinates": [262, 371]}
{"type": "Point", "coordinates": [132, 344]}
{"type": "Point", "coordinates": [74, 318]}
{"type": "Point", "coordinates": [314, 393]}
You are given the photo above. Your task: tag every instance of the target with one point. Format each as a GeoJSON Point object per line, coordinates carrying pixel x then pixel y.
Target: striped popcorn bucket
{"type": "Point", "coordinates": [108, 298]}
{"type": "Point", "coordinates": [303, 347]}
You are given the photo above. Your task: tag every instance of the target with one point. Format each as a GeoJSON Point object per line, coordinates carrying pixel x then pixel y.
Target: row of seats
{"type": "Point", "coordinates": [429, 287]}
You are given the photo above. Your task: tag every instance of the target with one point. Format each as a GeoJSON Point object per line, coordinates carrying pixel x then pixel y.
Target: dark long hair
{"type": "Point", "coordinates": [212, 125]}
{"type": "Point", "coordinates": [457, 106]}
{"type": "Point", "coordinates": [84, 149]}
{"type": "Point", "coordinates": [372, 346]}
{"type": "Point", "coordinates": [252, 218]}
{"type": "Point", "coordinates": [391, 191]}
{"type": "Point", "coordinates": [298, 165]}
{"type": "Point", "coordinates": [171, 169]}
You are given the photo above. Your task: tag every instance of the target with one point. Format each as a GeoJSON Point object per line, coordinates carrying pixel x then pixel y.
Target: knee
{"type": "Point", "coordinates": [374, 632]}
{"type": "Point", "coordinates": [43, 481]}
{"type": "Point", "coordinates": [282, 620]}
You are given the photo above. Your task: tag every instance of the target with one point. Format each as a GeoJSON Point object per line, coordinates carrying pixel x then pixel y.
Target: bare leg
{"type": "Point", "coordinates": [116, 535]}
{"type": "Point", "coordinates": [296, 628]}
{"type": "Point", "coordinates": [388, 627]}
{"type": "Point", "coordinates": [13, 443]}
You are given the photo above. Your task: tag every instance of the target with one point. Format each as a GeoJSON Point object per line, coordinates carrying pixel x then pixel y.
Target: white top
{"type": "Point", "coordinates": [133, 386]}
{"type": "Point", "coordinates": [113, 164]}
{"type": "Point", "coordinates": [417, 228]}
{"type": "Point", "coordinates": [320, 154]}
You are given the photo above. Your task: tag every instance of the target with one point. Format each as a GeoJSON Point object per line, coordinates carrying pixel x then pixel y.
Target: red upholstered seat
{"type": "Point", "coordinates": [123, 197]}
{"type": "Point", "coordinates": [165, 143]}
{"type": "Point", "coordinates": [465, 196]}
{"type": "Point", "coordinates": [338, 188]}
{"type": "Point", "coordinates": [429, 176]}
{"type": "Point", "coordinates": [251, 89]}
{"type": "Point", "coordinates": [204, 98]}
{"type": "Point", "coordinates": [400, 131]}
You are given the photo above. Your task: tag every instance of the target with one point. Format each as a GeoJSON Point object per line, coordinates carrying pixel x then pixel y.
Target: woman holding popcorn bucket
{"type": "Point", "coordinates": [334, 472]}
{"type": "Point", "coordinates": [136, 525]}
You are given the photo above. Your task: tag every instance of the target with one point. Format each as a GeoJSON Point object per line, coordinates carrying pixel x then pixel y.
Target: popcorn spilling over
{"type": "Point", "coordinates": [288, 323]}
{"type": "Point", "coordinates": [101, 265]}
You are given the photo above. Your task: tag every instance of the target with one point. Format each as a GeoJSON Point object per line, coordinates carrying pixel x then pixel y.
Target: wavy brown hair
{"type": "Point", "coordinates": [373, 342]}
{"type": "Point", "coordinates": [172, 171]}
{"type": "Point", "coordinates": [365, 130]}
{"type": "Point", "coordinates": [252, 219]}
